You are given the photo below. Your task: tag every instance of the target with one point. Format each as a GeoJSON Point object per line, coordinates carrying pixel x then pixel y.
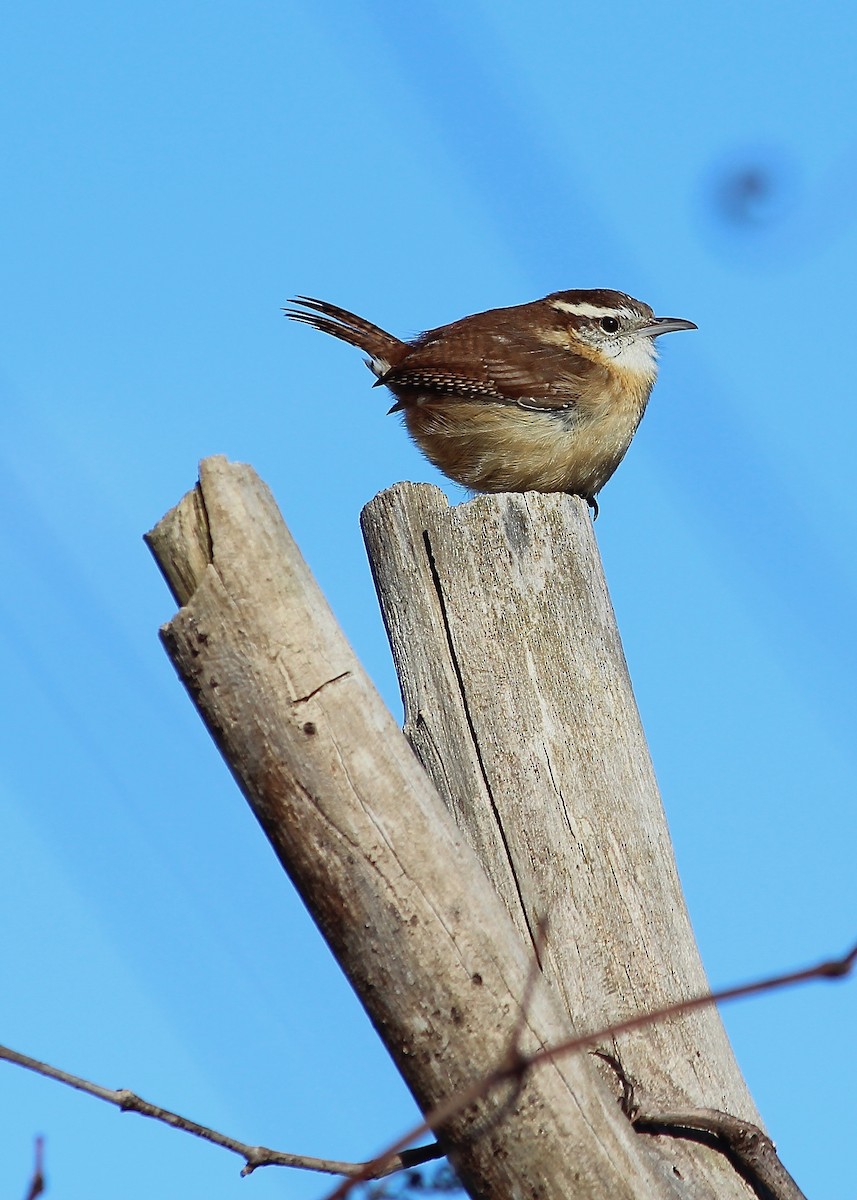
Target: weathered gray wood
{"type": "Point", "coordinates": [395, 888]}
{"type": "Point", "coordinates": [519, 704]}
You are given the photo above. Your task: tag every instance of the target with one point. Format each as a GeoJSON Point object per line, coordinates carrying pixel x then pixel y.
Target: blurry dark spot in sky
{"type": "Point", "coordinates": [752, 190]}
{"type": "Point", "coordinates": [753, 207]}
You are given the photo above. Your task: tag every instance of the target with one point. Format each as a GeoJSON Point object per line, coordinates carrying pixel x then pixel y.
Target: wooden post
{"type": "Point", "coordinates": [518, 703]}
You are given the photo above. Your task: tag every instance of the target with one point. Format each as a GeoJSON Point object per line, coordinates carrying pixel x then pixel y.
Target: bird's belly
{"type": "Point", "coordinates": [503, 448]}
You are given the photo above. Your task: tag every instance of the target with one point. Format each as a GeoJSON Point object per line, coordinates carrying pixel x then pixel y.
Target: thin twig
{"type": "Point", "coordinates": [515, 1063]}
{"type": "Point", "coordinates": [829, 969]}
{"type": "Point", "coordinates": [398, 1157]}
{"type": "Point", "coordinates": [254, 1156]}
{"type": "Point", "coordinates": [748, 1147]}
{"type": "Point", "coordinates": [37, 1179]}
{"type": "Point", "coordinates": [539, 943]}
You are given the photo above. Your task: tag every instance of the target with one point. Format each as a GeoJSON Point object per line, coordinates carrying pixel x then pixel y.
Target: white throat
{"type": "Point", "coordinates": [638, 356]}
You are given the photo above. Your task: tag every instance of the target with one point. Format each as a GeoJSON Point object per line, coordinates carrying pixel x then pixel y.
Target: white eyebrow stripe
{"type": "Point", "coordinates": [584, 309]}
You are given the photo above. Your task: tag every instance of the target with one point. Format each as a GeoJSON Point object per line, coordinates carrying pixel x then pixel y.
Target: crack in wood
{"type": "Point", "coordinates": [321, 686]}
{"type": "Point", "coordinates": [435, 575]}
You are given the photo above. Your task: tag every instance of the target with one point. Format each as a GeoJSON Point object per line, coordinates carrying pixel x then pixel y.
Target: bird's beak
{"type": "Point", "coordinates": [666, 325]}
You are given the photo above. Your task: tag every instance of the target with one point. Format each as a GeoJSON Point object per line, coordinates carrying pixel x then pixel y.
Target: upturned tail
{"type": "Point", "coordinates": [348, 327]}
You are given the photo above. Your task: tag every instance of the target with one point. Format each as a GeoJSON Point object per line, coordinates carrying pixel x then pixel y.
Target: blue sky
{"type": "Point", "coordinates": [172, 174]}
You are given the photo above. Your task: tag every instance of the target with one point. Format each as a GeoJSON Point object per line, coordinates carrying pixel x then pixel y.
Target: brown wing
{"type": "Point", "coordinates": [501, 356]}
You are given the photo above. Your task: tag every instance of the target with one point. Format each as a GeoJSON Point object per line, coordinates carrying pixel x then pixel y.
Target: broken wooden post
{"type": "Point", "coordinates": [543, 805]}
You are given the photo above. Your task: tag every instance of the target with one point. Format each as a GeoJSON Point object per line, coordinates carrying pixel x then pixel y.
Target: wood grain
{"type": "Point", "coordinates": [519, 704]}
{"type": "Point", "coordinates": [518, 701]}
{"type": "Point", "coordinates": [392, 884]}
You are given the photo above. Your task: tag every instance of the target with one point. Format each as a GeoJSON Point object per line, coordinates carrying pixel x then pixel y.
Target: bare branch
{"type": "Point", "coordinates": [254, 1156]}
{"type": "Point", "coordinates": [400, 895]}
{"type": "Point", "coordinates": [836, 968]}
{"type": "Point", "coordinates": [749, 1148]}
{"type": "Point", "coordinates": [746, 1143]}
{"type": "Point", "coordinates": [37, 1179]}
{"type": "Point", "coordinates": [515, 1055]}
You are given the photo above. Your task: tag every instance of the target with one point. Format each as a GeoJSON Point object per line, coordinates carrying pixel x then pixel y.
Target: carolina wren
{"type": "Point", "coordinates": [541, 397]}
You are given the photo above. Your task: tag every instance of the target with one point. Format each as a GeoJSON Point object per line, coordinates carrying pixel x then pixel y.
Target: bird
{"type": "Point", "coordinates": [544, 396]}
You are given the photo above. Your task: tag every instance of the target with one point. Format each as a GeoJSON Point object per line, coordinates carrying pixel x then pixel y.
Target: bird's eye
{"type": "Point", "coordinates": [609, 324]}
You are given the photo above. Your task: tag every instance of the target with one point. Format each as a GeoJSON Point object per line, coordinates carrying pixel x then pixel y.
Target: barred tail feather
{"type": "Point", "coordinates": [345, 325]}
